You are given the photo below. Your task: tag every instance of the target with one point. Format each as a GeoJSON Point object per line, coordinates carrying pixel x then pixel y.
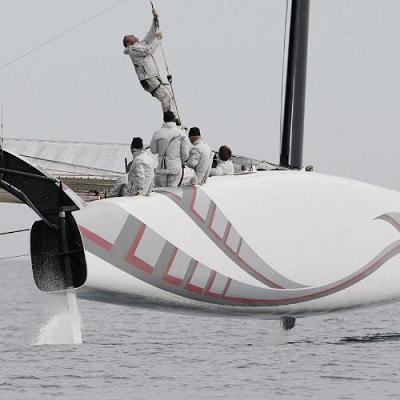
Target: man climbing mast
{"type": "Point", "coordinates": [141, 53]}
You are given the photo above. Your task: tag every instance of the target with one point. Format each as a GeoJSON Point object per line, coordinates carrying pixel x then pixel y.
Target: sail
{"type": "Point", "coordinates": [89, 169]}
{"type": "Point", "coordinates": [67, 158]}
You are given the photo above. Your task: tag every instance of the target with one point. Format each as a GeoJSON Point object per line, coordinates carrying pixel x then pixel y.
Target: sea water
{"type": "Point", "coordinates": [141, 354]}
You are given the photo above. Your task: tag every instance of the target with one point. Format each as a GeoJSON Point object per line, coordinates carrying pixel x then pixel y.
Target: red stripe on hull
{"type": "Point", "coordinates": [168, 278]}
{"type": "Point", "coordinates": [189, 286]}
{"type": "Point", "coordinates": [132, 259]}
{"type": "Point", "coordinates": [217, 236]}
{"type": "Point", "coordinates": [261, 277]}
{"type": "Point", "coordinates": [192, 206]}
{"type": "Point", "coordinates": [209, 286]}
{"type": "Point", "coordinates": [93, 237]}
{"type": "Point", "coordinates": [325, 292]}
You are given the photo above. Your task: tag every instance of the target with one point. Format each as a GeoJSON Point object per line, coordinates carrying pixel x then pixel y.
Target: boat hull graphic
{"type": "Point", "coordinates": [153, 251]}
{"type": "Point", "coordinates": [210, 218]}
{"type": "Point", "coordinates": [200, 282]}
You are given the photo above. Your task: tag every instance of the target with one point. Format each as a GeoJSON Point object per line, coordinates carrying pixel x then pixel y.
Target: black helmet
{"type": "Point", "coordinates": [137, 143]}
{"type": "Point", "coordinates": [224, 153]}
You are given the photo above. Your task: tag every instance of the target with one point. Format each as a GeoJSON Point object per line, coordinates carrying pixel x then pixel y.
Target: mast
{"type": "Point", "coordinates": [293, 121]}
{"type": "Point", "coordinates": [1, 124]}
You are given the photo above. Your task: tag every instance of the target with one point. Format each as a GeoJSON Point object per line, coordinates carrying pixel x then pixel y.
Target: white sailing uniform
{"type": "Point", "coordinates": [172, 147]}
{"type": "Point", "coordinates": [142, 56]}
{"type": "Point", "coordinates": [200, 160]}
{"type": "Point", "coordinates": [141, 174]}
{"type": "Point", "coordinates": [223, 168]}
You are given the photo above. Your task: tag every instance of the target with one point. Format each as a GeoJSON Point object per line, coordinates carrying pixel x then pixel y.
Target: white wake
{"type": "Point", "coordinates": [64, 327]}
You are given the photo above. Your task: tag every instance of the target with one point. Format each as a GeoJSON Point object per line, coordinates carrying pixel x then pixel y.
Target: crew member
{"type": "Point", "coordinates": [141, 53]}
{"type": "Point", "coordinates": [224, 163]}
{"type": "Point", "coordinates": [172, 148]}
{"type": "Point", "coordinates": [200, 156]}
{"type": "Point", "coordinates": [141, 172]}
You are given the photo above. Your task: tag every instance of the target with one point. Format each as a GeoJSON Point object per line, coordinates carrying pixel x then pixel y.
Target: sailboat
{"type": "Point", "coordinates": [281, 243]}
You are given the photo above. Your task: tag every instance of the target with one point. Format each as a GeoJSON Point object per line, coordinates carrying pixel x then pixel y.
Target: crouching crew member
{"type": "Point", "coordinates": [224, 165]}
{"type": "Point", "coordinates": [141, 172]}
{"type": "Point", "coordinates": [172, 147]}
{"type": "Point", "coordinates": [141, 54]}
{"type": "Point", "coordinates": [200, 156]}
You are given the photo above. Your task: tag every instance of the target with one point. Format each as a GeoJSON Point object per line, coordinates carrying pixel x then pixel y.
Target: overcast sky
{"type": "Point", "coordinates": [226, 58]}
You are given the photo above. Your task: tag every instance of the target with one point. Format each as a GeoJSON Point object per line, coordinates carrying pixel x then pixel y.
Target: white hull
{"type": "Point", "coordinates": [262, 245]}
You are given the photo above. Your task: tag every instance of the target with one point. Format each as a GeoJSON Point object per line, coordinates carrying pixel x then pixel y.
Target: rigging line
{"type": "Point", "coordinates": [72, 174]}
{"type": "Point", "coordinates": [283, 69]}
{"type": "Point", "coordinates": [17, 231]}
{"type": "Point", "coordinates": [14, 257]}
{"type": "Point", "coordinates": [52, 141]}
{"type": "Point", "coordinates": [164, 56]}
{"type": "Point", "coordinates": [60, 35]}
{"type": "Point", "coordinates": [70, 164]}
